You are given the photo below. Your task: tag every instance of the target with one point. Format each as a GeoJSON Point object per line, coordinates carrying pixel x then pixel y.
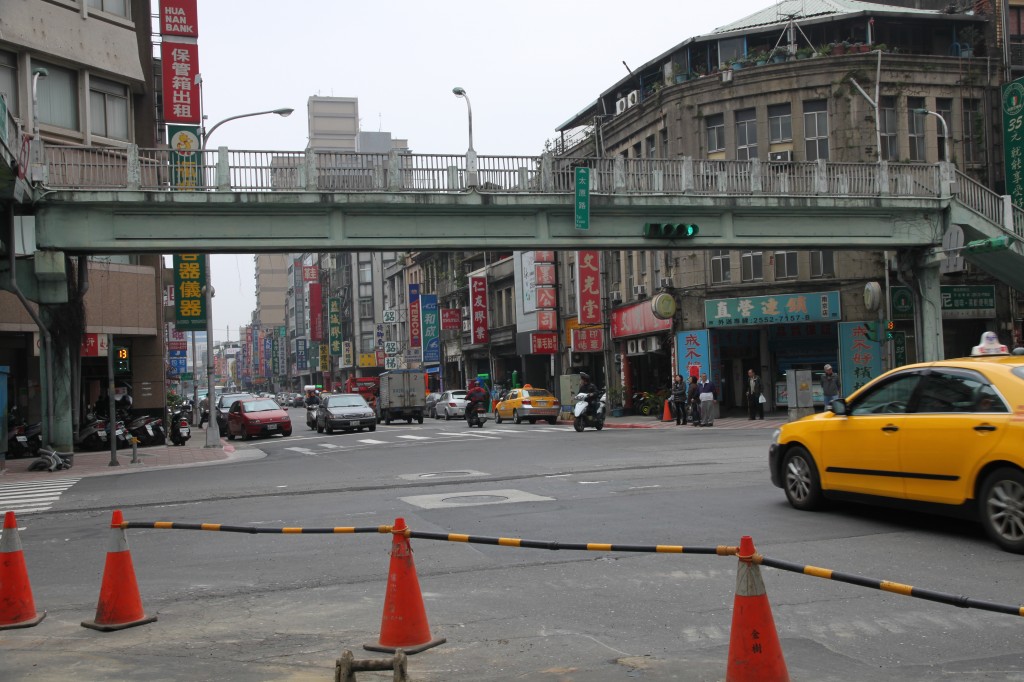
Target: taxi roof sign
{"type": "Point", "coordinates": [989, 345]}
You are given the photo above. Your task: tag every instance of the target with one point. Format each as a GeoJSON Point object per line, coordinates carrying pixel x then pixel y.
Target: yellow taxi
{"type": "Point", "coordinates": [527, 403]}
{"type": "Point", "coordinates": [943, 436]}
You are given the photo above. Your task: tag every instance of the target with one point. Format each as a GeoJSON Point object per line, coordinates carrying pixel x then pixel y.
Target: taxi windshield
{"type": "Point", "coordinates": [536, 393]}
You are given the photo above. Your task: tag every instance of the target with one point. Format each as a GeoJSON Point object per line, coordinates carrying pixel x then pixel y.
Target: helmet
{"type": "Point", "coordinates": [584, 376]}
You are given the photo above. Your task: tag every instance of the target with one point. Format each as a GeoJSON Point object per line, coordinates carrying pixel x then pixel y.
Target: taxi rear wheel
{"type": "Point", "coordinates": [800, 479]}
{"type": "Point", "coordinates": [1001, 508]}
{"type": "Point", "coordinates": [515, 417]}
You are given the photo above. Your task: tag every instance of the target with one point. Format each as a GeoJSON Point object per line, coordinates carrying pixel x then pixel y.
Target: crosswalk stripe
{"type": "Point", "coordinates": [329, 446]}
{"type": "Point", "coordinates": [415, 437]}
{"type": "Point", "coordinates": [304, 451]}
{"type": "Point", "coordinates": [370, 441]}
{"type": "Point", "coordinates": [33, 496]}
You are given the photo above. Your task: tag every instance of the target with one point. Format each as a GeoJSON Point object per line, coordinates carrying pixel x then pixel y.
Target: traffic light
{"type": "Point", "coordinates": [670, 230]}
{"type": "Point", "coordinates": [122, 360]}
{"type": "Point", "coordinates": [1000, 243]}
{"type": "Point", "coordinates": [890, 327]}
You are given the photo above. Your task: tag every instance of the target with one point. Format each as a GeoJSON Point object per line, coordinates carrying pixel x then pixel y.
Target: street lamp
{"type": "Point", "coordinates": [945, 130]}
{"type": "Point", "coordinates": [212, 428]}
{"type": "Point", "coordinates": [471, 163]}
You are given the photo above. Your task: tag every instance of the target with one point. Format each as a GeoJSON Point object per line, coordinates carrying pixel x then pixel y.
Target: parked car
{"type": "Point", "coordinates": [345, 411]}
{"type": "Point", "coordinates": [527, 403]}
{"type": "Point", "coordinates": [224, 403]}
{"type": "Point", "coordinates": [431, 403]}
{"type": "Point", "coordinates": [451, 404]}
{"type": "Point", "coordinates": [298, 400]}
{"type": "Point", "coordinates": [941, 436]}
{"type": "Point", "coordinates": [257, 417]}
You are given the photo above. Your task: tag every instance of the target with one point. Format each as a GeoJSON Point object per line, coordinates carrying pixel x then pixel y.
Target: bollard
{"type": "Point", "coordinates": [347, 666]}
{"type": "Point", "coordinates": [135, 450]}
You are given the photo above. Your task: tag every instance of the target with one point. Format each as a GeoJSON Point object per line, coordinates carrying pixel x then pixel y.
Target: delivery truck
{"type": "Point", "coordinates": [403, 395]}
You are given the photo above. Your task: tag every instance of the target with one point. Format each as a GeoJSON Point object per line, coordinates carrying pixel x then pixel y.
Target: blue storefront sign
{"type": "Point", "coordinates": [693, 353]}
{"type": "Point", "coordinates": [300, 354]}
{"type": "Point", "coordinates": [822, 306]}
{"type": "Point", "coordinates": [431, 321]}
{"type": "Point", "coordinates": [860, 360]}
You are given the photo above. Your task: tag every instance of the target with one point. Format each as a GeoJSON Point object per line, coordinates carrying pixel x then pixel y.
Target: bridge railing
{"type": "Point", "coordinates": [988, 204]}
{"type": "Point", "coordinates": [271, 171]}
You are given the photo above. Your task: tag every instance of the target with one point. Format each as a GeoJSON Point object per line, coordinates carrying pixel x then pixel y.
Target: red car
{"type": "Point", "coordinates": [257, 417]}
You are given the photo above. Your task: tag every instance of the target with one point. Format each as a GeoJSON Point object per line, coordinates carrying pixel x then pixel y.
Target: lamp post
{"type": "Point", "coordinates": [471, 163]}
{"type": "Point", "coordinates": [945, 130]}
{"type": "Point", "coordinates": [212, 428]}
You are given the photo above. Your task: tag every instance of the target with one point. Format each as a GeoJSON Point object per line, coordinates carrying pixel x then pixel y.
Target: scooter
{"type": "Point", "coordinates": [311, 417]}
{"type": "Point", "coordinates": [474, 415]}
{"type": "Point", "coordinates": [51, 460]}
{"type": "Point", "coordinates": [179, 428]}
{"type": "Point", "coordinates": [34, 434]}
{"type": "Point", "coordinates": [642, 402]}
{"type": "Point", "coordinates": [583, 417]}
{"type": "Point", "coordinates": [19, 440]}
{"type": "Point", "coordinates": [92, 435]}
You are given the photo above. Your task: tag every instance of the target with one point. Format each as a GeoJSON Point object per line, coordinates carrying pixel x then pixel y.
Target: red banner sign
{"type": "Point", "coordinates": [543, 256]}
{"type": "Point", "coordinates": [544, 343]}
{"type": "Point", "coordinates": [310, 273]}
{"type": "Point", "coordinates": [547, 297]}
{"type": "Point", "coordinates": [316, 313]}
{"type": "Point", "coordinates": [451, 318]}
{"type": "Point", "coordinates": [181, 92]}
{"type": "Point", "coordinates": [545, 273]}
{"type": "Point", "coordinates": [637, 319]}
{"type": "Point", "coordinates": [547, 320]}
{"type": "Point", "coordinates": [588, 286]}
{"type": "Point", "coordinates": [179, 18]}
{"type": "Point", "coordinates": [478, 309]}
{"type": "Point", "coordinates": [95, 346]}
{"type": "Point", "coordinates": [177, 345]}
{"type": "Point", "coordinates": [587, 340]}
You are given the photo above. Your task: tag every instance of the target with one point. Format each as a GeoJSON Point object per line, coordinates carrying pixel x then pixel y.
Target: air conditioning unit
{"type": "Point", "coordinates": [465, 311]}
{"type": "Point", "coordinates": [780, 156]}
{"type": "Point", "coordinates": [639, 290]}
{"type": "Point", "coordinates": [641, 345]}
{"type": "Point", "coordinates": [665, 282]}
{"type": "Point", "coordinates": [631, 347]}
{"type": "Point", "coordinates": [653, 344]}
{"type": "Point", "coordinates": [615, 297]}
{"type": "Point", "coordinates": [633, 98]}
{"type": "Point", "coordinates": [620, 105]}
{"type": "Point", "coordinates": [466, 326]}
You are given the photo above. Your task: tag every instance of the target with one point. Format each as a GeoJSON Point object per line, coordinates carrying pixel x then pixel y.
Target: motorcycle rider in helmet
{"type": "Point", "coordinates": [475, 396]}
{"type": "Point", "coordinates": [312, 399]}
{"type": "Point", "coordinates": [590, 388]}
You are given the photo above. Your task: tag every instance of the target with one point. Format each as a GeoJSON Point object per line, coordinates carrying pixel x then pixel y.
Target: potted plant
{"type": "Point", "coordinates": [678, 75]}
{"type": "Point", "coordinates": [778, 55]}
{"type": "Point", "coordinates": [804, 52]}
{"type": "Point", "coordinates": [761, 58]}
{"type": "Point", "coordinates": [615, 398]}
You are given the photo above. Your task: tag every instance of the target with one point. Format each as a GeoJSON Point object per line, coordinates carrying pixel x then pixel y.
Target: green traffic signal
{"type": "Point", "coordinates": [670, 230]}
{"type": "Point", "coordinates": [1000, 243]}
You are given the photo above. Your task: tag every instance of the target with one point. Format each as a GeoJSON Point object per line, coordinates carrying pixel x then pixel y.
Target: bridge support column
{"type": "Point", "coordinates": [930, 344]}
{"type": "Point", "coordinates": [58, 380]}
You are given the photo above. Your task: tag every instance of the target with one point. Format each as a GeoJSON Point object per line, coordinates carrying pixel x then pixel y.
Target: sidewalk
{"type": "Point", "coordinates": [194, 453]}
{"type": "Point", "coordinates": [736, 422]}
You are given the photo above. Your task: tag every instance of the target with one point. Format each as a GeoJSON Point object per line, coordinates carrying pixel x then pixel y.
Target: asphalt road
{"type": "Point", "coordinates": [283, 607]}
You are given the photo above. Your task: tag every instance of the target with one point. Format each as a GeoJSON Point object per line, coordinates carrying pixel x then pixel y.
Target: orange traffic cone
{"type": "Point", "coordinates": [666, 414]}
{"type": "Point", "coordinates": [120, 605]}
{"type": "Point", "coordinates": [17, 608]}
{"type": "Point", "coordinates": [755, 654]}
{"type": "Point", "coordinates": [404, 623]}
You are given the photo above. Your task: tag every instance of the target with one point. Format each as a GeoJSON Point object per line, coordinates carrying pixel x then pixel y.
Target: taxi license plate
{"type": "Point", "coordinates": [542, 403]}
{"type": "Point", "coordinates": [271, 427]}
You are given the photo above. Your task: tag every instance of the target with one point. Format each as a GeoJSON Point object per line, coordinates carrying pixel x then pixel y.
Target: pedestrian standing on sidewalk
{"type": "Point", "coordinates": [755, 397]}
{"type": "Point", "coordinates": [830, 386]}
{"type": "Point", "coordinates": [707, 401]}
{"type": "Point", "coordinates": [678, 397]}
{"type": "Point", "coordinates": [693, 399]}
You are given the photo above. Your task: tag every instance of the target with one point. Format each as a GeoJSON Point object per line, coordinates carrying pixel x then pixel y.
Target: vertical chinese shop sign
{"type": "Point", "coordinates": [860, 359]}
{"type": "Point", "coordinates": [189, 298]}
{"type": "Point", "coordinates": [334, 325]}
{"type": "Point", "coordinates": [588, 285]}
{"type": "Point", "coordinates": [478, 309]}
{"type": "Point", "coordinates": [415, 330]}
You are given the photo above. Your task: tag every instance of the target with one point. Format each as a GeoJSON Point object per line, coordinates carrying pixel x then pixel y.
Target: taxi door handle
{"type": "Point", "coordinates": [985, 427]}
{"type": "Point", "coordinates": [890, 427]}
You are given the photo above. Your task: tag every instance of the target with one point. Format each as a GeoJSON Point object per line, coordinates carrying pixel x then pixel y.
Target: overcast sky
{"type": "Point", "coordinates": [526, 68]}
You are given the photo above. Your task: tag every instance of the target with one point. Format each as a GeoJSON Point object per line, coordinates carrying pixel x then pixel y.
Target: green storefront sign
{"type": "Point", "coordinates": [189, 292]}
{"type": "Point", "coordinates": [582, 202]}
{"type": "Point", "coordinates": [1013, 139]}
{"type": "Point", "coordinates": [334, 325]}
{"type": "Point", "coordinates": [959, 302]}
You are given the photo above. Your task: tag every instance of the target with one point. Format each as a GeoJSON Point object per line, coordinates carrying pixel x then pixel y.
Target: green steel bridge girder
{"type": "Point", "coordinates": [107, 222]}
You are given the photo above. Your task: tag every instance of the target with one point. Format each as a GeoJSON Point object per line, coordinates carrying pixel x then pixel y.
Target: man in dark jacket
{"type": "Point", "coordinates": [755, 408]}
{"type": "Point", "coordinates": [693, 399]}
{"type": "Point", "coordinates": [679, 399]}
{"type": "Point", "coordinates": [475, 397]}
{"type": "Point", "coordinates": [590, 388]}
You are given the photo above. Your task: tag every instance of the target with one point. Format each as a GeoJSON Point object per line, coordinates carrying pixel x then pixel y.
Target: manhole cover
{"type": "Point", "coordinates": [473, 499]}
{"type": "Point", "coordinates": [449, 474]}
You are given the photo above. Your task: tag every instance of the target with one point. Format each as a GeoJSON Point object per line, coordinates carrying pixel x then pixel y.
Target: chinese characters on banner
{"type": "Point", "coordinates": [636, 320]}
{"type": "Point", "coordinates": [431, 329]}
{"type": "Point", "coordinates": [547, 298]}
{"type": "Point", "coordinates": [860, 359]}
{"type": "Point", "coordinates": [547, 320]}
{"type": "Point", "coordinates": [178, 18]}
{"type": "Point", "coordinates": [478, 309]}
{"type": "Point", "coordinates": [334, 325]}
{"type": "Point", "coordinates": [588, 286]}
{"type": "Point", "coordinates": [189, 298]}
{"type": "Point", "coordinates": [95, 346]}
{"type": "Point", "coordinates": [181, 92]}
{"type": "Point", "coordinates": [316, 313]}
{"type": "Point", "coordinates": [544, 274]}
{"type": "Point", "coordinates": [692, 354]}
{"type": "Point", "coordinates": [310, 273]}
{"type": "Point", "coordinates": [1013, 139]}
{"type": "Point", "coordinates": [822, 306]}
{"type": "Point", "coordinates": [544, 342]}
{"type": "Point", "coordinates": [415, 331]}
{"type": "Point", "coordinates": [300, 354]}
{"type": "Point", "coordinates": [346, 354]}
{"type": "Point", "coordinates": [451, 318]}
{"type": "Point", "coordinates": [587, 340]}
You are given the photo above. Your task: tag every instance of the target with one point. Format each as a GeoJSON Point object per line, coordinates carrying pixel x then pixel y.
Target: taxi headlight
{"type": "Point", "coordinates": [775, 436]}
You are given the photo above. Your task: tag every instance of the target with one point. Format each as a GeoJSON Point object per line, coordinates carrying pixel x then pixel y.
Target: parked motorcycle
{"type": "Point", "coordinates": [34, 434]}
{"type": "Point", "coordinates": [178, 424]}
{"type": "Point", "coordinates": [584, 417]}
{"type": "Point", "coordinates": [92, 434]}
{"type": "Point", "coordinates": [17, 441]}
{"type": "Point", "coordinates": [642, 401]}
{"type": "Point", "coordinates": [474, 415]}
{"type": "Point", "coordinates": [147, 429]}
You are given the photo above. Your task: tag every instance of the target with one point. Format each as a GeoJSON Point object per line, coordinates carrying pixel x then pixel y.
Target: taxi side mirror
{"type": "Point", "coordinates": [838, 406]}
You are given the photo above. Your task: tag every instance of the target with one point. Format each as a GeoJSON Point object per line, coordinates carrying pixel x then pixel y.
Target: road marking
{"type": "Point", "coordinates": [302, 451]}
{"type": "Point", "coordinates": [33, 496]}
{"type": "Point", "coordinates": [415, 437]}
{"type": "Point", "coordinates": [370, 441]}
{"type": "Point", "coordinates": [475, 498]}
{"type": "Point", "coordinates": [329, 446]}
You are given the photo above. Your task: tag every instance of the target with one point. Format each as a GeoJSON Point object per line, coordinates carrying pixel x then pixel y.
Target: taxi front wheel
{"type": "Point", "coordinates": [1001, 508]}
{"type": "Point", "coordinates": [800, 479]}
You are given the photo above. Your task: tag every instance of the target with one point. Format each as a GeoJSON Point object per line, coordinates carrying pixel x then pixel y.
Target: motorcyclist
{"type": "Point", "coordinates": [476, 396]}
{"type": "Point", "coordinates": [590, 388]}
{"type": "Point", "coordinates": [311, 399]}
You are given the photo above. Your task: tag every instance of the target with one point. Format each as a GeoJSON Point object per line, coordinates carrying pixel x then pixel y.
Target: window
{"type": "Point", "coordinates": [746, 134]}
{"type": "Point", "coordinates": [731, 48]}
{"type": "Point", "coordinates": [816, 130]}
{"type": "Point", "coordinates": [887, 127]}
{"type": "Point", "coordinates": [664, 143]}
{"type": "Point", "coordinates": [891, 397]}
{"type": "Point", "coordinates": [652, 148]}
{"type": "Point", "coordinates": [9, 80]}
{"type": "Point", "coordinates": [108, 108]}
{"type": "Point", "coordinates": [972, 131]}
{"type": "Point", "coordinates": [721, 271]}
{"type": "Point", "coordinates": [637, 151]}
{"type": "Point", "coordinates": [118, 7]}
{"type": "Point", "coordinates": [366, 273]}
{"type": "Point", "coordinates": [366, 308]}
{"type": "Point", "coordinates": [616, 269]}
{"type": "Point", "coordinates": [715, 126]}
{"type": "Point", "coordinates": [823, 264]}
{"type": "Point", "coordinates": [780, 123]}
{"type": "Point", "coordinates": [629, 270]}
{"type": "Point", "coordinates": [944, 108]}
{"type": "Point", "coordinates": [58, 96]}
{"type": "Point", "coordinates": [367, 343]}
{"type": "Point", "coordinates": [915, 128]}
{"type": "Point", "coordinates": [954, 392]}
{"type": "Point", "coordinates": [785, 265]}
{"type": "Point", "coordinates": [751, 266]}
